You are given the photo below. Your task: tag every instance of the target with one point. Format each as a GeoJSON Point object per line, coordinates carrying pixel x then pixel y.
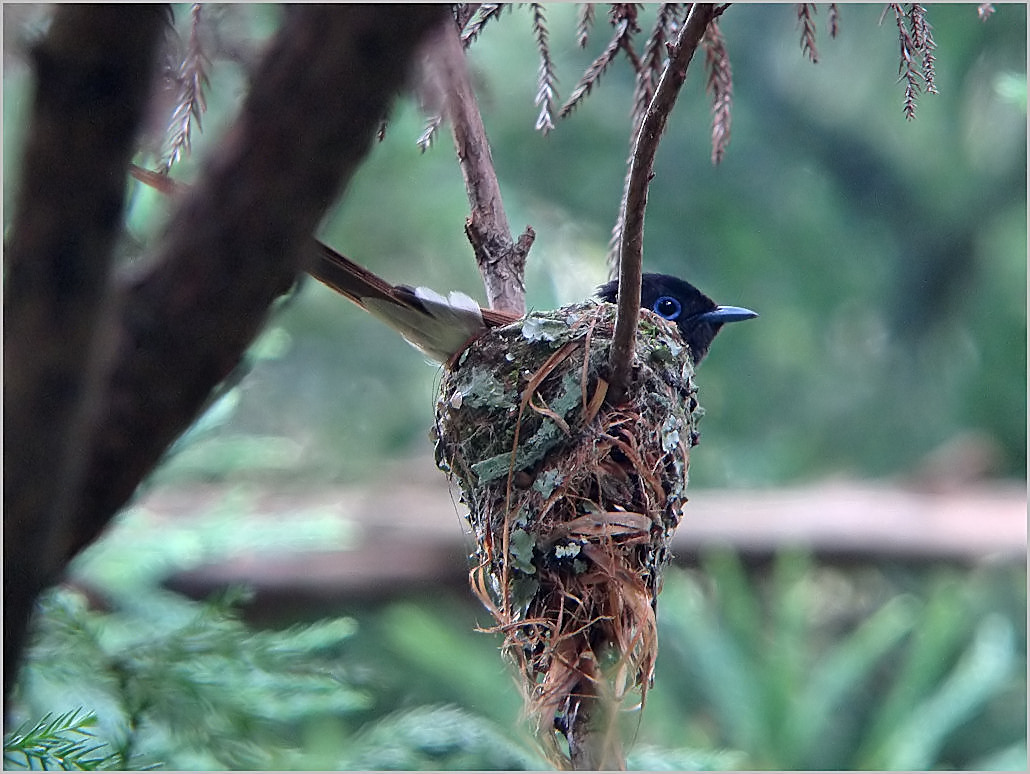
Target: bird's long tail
{"type": "Point", "coordinates": [438, 325]}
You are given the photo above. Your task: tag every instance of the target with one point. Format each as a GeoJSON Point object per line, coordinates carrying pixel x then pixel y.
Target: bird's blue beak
{"type": "Point", "coordinates": [726, 314]}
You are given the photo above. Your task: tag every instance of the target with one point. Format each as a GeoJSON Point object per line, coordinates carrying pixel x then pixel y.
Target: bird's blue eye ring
{"type": "Point", "coordinates": [667, 307]}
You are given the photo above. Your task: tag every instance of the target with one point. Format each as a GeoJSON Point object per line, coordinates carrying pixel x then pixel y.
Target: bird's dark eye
{"type": "Point", "coordinates": [667, 307]}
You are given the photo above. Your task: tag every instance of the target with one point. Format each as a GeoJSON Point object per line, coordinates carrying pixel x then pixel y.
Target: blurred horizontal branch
{"type": "Point", "coordinates": [406, 532]}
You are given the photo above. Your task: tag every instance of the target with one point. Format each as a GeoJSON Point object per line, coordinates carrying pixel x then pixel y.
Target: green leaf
{"type": "Point", "coordinates": [980, 674]}
{"type": "Point", "coordinates": [727, 677]}
{"type": "Point", "coordinates": [58, 741]}
{"type": "Point", "coordinates": [842, 673]}
{"type": "Point", "coordinates": [941, 627]}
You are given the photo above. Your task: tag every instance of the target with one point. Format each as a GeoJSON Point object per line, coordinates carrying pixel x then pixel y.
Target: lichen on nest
{"type": "Point", "coordinates": [572, 501]}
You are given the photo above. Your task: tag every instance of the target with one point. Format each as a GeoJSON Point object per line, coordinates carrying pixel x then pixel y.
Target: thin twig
{"type": "Point", "coordinates": [635, 196]}
{"type": "Point", "coordinates": [653, 59]}
{"type": "Point", "coordinates": [594, 743]}
{"type": "Point", "coordinates": [501, 260]}
{"type": "Point", "coordinates": [656, 53]}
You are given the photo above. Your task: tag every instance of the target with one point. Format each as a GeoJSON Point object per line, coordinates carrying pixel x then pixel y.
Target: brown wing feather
{"type": "Point", "coordinates": [356, 282]}
{"type": "Point", "coordinates": [349, 279]}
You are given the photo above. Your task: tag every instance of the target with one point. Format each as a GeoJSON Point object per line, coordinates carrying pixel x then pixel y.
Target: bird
{"type": "Point", "coordinates": [695, 314]}
{"type": "Point", "coordinates": [442, 326]}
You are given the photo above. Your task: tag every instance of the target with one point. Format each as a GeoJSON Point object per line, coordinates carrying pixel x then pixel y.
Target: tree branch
{"type": "Point", "coordinates": [502, 262]}
{"type": "Point", "coordinates": [92, 74]}
{"type": "Point", "coordinates": [238, 239]}
{"type": "Point", "coordinates": [181, 322]}
{"type": "Point", "coordinates": [594, 741]}
{"type": "Point", "coordinates": [634, 201]}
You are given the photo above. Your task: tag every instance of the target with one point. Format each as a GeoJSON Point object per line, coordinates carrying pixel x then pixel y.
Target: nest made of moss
{"type": "Point", "coordinates": [572, 501]}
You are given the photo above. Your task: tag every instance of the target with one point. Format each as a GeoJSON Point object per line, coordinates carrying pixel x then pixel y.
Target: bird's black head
{"type": "Point", "coordinates": [698, 317]}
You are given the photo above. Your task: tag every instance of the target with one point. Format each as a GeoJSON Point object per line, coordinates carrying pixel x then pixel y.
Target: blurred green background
{"type": "Point", "coordinates": [887, 259]}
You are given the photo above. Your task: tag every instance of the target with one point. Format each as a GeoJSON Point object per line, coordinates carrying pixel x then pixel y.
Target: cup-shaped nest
{"type": "Point", "coordinates": [572, 501]}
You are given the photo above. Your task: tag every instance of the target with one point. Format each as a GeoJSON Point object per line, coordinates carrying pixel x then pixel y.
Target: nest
{"type": "Point", "coordinates": [572, 502]}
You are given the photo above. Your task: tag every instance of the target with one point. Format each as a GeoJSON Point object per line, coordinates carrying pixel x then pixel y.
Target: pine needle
{"type": "Point", "coordinates": [805, 13]}
{"type": "Point", "coordinates": [547, 92]}
{"type": "Point", "coordinates": [833, 20]}
{"type": "Point", "coordinates": [594, 72]}
{"type": "Point", "coordinates": [484, 13]}
{"type": "Point", "coordinates": [720, 86]}
{"type": "Point", "coordinates": [584, 21]}
{"type": "Point", "coordinates": [916, 66]}
{"type": "Point", "coordinates": [425, 140]}
{"type": "Point", "coordinates": [192, 77]}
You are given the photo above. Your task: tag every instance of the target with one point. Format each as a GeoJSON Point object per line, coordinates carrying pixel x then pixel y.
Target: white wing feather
{"type": "Point", "coordinates": [451, 321]}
